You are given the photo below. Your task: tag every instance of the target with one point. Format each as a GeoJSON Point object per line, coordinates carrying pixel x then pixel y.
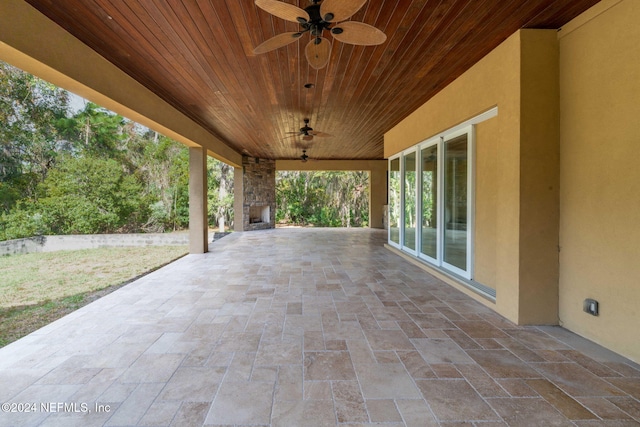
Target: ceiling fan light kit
{"type": "Point", "coordinates": [315, 19]}
{"type": "Point", "coordinates": [317, 52]}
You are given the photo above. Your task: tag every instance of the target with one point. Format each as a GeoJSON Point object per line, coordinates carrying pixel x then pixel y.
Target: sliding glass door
{"type": "Point", "coordinates": [395, 200]}
{"type": "Point", "coordinates": [456, 203]}
{"type": "Point", "coordinates": [410, 202]}
{"type": "Point", "coordinates": [435, 204]}
{"type": "Point", "coordinates": [430, 205]}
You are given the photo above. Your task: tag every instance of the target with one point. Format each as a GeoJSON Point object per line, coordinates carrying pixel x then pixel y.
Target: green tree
{"type": "Point", "coordinates": [96, 131]}
{"type": "Point", "coordinates": [326, 198]}
{"type": "Point", "coordinates": [89, 195]}
{"type": "Point", "coordinates": [31, 114]}
{"type": "Point", "coordinates": [163, 165]}
{"type": "Point", "coordinates": [90, 172]}
{"type": "Point", "coordinates": [220, 194]}
{"type": "Point", "coordinates": [347, 194]}
{"type": "Point", "coordinates": [22, 221]}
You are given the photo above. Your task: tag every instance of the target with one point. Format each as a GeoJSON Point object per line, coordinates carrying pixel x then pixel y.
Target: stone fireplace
{"type": "Point", "coordinates": [256, 196]}
{"type": "Point", "coordinates": [258, 214]}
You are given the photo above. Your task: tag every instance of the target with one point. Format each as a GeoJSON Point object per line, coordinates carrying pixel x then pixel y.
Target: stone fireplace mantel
{"type": "Point", "coordinates": [257, 194]}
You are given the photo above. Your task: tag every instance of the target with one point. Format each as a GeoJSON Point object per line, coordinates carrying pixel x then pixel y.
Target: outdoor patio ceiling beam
{"type": "Point", "coordinates": [32, 42]}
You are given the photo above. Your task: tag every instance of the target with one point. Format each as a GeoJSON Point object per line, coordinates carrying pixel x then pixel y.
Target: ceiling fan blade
{"type": "Point", "coordinates": [339, 10]}
{"type": "Point", "coordinates": [283, 10]}
{"type": "Point", "coordinates": [359, 33]}
{"type": "Point", "coordinates": [322, 134]}
{"type": "Point", "coordinates": [318, 53]}
{"type": "Point", "coordinates": [276, 42]}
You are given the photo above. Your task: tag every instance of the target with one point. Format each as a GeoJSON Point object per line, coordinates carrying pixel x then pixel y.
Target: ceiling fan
{"type": "Point", "coordinates": [308, 133]}
{"type": "Point", "coordinates": [304, 158]}
{"type": "Point", "coordinates": [330, 15]}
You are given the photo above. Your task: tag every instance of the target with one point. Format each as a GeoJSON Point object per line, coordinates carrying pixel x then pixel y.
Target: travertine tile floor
{"type": "Point", "coordinates": [307, 327]}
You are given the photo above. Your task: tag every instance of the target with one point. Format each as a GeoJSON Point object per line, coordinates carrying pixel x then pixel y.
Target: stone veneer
{"type": "Point", "coordinates": [259, 191]}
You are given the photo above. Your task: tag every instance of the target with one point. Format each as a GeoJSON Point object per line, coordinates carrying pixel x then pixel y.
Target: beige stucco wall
{"type": "Point", "coordinates": [600, 177]}
{"type": "Point", "coordinates": [520, 77]}
{"type": "Point", "coordinates": [492, 81]}
{"type": "Point", "coordinates": [485, 249]}
{"type": "Point", "coordinates": [539, 178]}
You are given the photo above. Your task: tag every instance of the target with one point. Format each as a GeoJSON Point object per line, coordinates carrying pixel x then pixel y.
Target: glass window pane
{"type": "Point", "coordinates": [394, 201]}
{"type": "Point", "coordinates": [455, 192]}
{"type": "Point", "coordinates": [410, 193]}
{"type": "Point", "coordinates": [430, 201]}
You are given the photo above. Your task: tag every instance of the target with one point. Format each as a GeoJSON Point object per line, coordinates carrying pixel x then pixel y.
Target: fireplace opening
{"type": "Point", "coordinates": [259, 214]}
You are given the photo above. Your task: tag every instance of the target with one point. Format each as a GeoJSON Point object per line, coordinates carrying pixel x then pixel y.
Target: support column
{"type": "Point", "coordinates": [377, 194]}
{"type": "Point", "coordinates": [198, 218]}
{"type": "Point", "coordinates": [238, 199]}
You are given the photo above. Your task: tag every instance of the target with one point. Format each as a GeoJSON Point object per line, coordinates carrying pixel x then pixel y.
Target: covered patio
{"type": "Point", "coordinates": [535, 102]}
{"type": "Point", "coordinates": [306, 327]}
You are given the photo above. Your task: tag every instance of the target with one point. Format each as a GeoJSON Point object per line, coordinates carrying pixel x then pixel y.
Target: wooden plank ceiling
{"type": "Point", "coordinates": [197, 55]}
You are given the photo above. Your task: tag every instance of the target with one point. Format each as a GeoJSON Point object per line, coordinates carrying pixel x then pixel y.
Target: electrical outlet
{"type": "Point", "coordinates": [590, 306]}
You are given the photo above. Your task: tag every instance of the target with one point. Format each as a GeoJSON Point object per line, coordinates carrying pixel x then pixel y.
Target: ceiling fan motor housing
{"type": "Point", "coordinates": [306, 129]}
{"type": "Point", "coordinates": [315, 24]}
{"type": "Point", "coordinates": [328, 17]}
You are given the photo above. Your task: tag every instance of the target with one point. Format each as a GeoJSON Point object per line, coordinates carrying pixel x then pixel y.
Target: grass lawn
{"type": "Point", "coordinates": [36, 289]}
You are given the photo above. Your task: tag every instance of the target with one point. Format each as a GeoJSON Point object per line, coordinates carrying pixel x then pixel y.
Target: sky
{"type": "Point", "coordinates": [76, 102]}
